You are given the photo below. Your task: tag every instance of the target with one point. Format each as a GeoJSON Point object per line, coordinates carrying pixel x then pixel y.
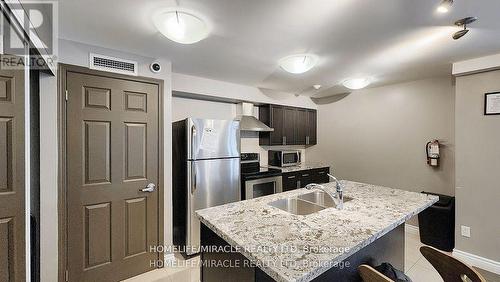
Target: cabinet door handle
{"type": "Point", "coordinates": [321, 172]}
{"type": "Point", "coordinates": [284, 140]}
{"type": "Point", "coordinates": [305, 174]}
{"type": "Point", "coordinates": [298, 184]}
{"type": "Point", "coordinates": [291, 177]}
{"type": "Point", "coordinates": [307, 140]}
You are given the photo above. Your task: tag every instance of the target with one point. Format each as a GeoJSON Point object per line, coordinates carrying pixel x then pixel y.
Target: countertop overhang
{"type": "Point", "coordinates": [292, 247]}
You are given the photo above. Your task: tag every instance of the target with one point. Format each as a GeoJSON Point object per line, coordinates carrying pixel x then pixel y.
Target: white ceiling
{"type": "Point", "coordinates": [389, 40]}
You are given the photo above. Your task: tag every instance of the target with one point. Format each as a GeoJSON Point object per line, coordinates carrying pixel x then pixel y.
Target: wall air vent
{"type": "Point", "coordinates": [111, 64]}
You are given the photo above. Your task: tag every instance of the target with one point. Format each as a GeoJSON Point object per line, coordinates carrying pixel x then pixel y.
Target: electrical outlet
{"type": "Point", "coordinates": [465, 231]}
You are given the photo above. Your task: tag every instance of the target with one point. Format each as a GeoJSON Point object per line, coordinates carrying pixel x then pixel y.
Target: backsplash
{"type": "Point", "coordinates": [250, 144]}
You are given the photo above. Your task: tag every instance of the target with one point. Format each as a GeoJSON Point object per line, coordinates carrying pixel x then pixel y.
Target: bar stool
{"type": "Point", "coordinates": [450, 268]}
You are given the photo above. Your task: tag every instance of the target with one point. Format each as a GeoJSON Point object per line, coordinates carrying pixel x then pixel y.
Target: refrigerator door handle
{"type": "Point", "coordinates": [190, 207]}
{"type": "Point", "coordinates": [193, 173]}
{"type": "Point", "coordinates": [193, 137]}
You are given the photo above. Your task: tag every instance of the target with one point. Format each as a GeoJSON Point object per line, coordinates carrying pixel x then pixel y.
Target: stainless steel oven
{"type": "Point", "coordinates": [263, 186]}
{"type": "Point", "coordinates": [257, 181]}
{"type": "Point", "coordinates": [284, 158]}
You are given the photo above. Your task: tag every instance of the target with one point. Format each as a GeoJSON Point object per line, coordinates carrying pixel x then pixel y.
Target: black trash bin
{"type": "Point", "coordinates": [437, 223]}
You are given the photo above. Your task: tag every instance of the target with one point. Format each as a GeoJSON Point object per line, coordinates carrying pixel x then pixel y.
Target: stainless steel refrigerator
{"type": "Point", "coordinates": [206, 173]}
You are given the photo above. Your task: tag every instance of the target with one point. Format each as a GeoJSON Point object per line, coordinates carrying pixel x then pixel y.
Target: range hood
{"type": "Point", "coordinates": [250, 123]}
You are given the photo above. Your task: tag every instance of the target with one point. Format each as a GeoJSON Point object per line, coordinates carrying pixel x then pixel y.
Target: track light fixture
{"type": "Point", "coordinates": [463, 22]}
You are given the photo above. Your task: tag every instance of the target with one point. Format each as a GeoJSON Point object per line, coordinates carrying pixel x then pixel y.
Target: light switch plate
{"type": "Point", "coordinates": [465, 231]}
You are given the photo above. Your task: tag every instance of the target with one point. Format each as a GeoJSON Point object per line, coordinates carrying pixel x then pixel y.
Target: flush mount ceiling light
{"type": "Point", "coordinates": [181, 26]}
{"type": "Point", "coordinates": [356, 83]}
{"type": "Point", "coordinates": [445, 6]}
{"type": "Point", "coordinates": [463, 22]}
{"type": "Point", "coordinates": [298, 63]}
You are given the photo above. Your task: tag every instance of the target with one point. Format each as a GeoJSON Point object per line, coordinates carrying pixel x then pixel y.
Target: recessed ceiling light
{"type": "Point", "coordinates": [317, 86]}
{"type": "Point", "coordinates": [356, 83]}
{"type": "Point", "coordinates": [182, 26]}
{"type": "Point", "coordinates": [298, 63]}
{"type": "Point", "coordinates": [445, 6]}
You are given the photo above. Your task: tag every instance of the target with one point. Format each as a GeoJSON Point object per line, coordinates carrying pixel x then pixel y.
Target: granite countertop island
{"type": "Point", "coordinates": [290, 247]}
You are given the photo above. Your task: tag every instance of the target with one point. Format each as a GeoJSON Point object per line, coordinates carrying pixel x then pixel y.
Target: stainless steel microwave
{"type": "Point", "coordinates": [284, 158]}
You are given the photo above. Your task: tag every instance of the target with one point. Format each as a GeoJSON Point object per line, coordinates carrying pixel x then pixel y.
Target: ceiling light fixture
{"type": "Point", "coordinates": [356, 83]}
{"type": "Point", "coordinates": [298, 63]}
{"type": "Point", "coordinates": [445, 6]}
{"type": "Point", "coordinates": [181, 26]}
{"type": "Point", "coordinates": [463, 22]}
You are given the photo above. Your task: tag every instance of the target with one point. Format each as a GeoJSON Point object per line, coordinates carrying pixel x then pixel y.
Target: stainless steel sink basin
{"type": "Point", "coordinates": [321, 198]}
{"type": "Point", "coordinates": [296, 206]}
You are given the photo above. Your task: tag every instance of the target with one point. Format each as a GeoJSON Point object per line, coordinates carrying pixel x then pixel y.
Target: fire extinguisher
{"type": "Point", "coordinates": [432, 150]}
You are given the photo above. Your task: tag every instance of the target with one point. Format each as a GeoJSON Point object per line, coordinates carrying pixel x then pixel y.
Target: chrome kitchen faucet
{"type": "Point", "coordinates": [338, 197]}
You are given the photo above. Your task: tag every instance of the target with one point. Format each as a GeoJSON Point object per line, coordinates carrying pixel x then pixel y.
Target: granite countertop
{"type": "Point", "coordinates": [292, 247]}
{"type": "Point", "coordinates": [304, 166]}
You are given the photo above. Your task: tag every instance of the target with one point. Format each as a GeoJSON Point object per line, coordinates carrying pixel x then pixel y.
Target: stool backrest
{"type": "Point", "coordinates": [450, 268]}
{"type": "Point", "coordinates": [370, 274]}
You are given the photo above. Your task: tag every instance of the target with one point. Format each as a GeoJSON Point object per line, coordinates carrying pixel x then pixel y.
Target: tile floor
{"type": "Point", "coordinates": [416, 266]}
{"type": "Point", "coordinates": [181, 271]}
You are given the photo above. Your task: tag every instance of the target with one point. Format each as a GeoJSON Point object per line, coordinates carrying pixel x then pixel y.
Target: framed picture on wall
{"type": "Point", "coordinates": [492, 103]}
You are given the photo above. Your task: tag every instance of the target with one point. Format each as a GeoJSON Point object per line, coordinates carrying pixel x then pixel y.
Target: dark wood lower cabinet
{"type": "Point", "coordinates": [299, 179]}
{"type": "Point", "coordinates": [290, 181]}
{"type": "Point", "coordinates": [320, 175]}
{"type": "Point", "coordinates": [229, 265]}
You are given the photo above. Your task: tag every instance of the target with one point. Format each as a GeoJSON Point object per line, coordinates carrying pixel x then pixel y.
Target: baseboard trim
{"type": "Point", "coordinates": [412, 229]}
{"type": "Point", "coordinates": [474, 260]}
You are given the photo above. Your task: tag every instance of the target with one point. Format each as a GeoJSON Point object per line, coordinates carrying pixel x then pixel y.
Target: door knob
{"type": "Point", "coordinates": [149, 188]}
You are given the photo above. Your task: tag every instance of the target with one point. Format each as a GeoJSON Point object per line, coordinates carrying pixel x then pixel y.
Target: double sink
{"type": "Point", "coordinates": [307, 203]}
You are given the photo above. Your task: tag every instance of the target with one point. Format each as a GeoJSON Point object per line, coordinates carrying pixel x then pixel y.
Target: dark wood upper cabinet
{"type": "Point", "coordinates": [277, 122]}
{"type": "Point", "coordinates": [312, 125]}
{"type": "Point", "coordinates": [292, 126]}
{"type": "Point", "coordinates": [289, 126]}
{"type": "Point", "coordinates": [302, 126]}
{"type": "Point", "coordinates": [273, 117]}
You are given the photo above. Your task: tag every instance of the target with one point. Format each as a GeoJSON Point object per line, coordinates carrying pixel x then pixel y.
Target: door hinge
{"type": "Point", "coordinates": [66, 95]}
{"type": "Point", "coordinates": [66, 276]}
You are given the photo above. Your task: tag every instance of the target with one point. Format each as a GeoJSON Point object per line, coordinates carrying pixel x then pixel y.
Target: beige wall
{"type": "Point", "coordinates": [183, 108]}
{"type": "Point", "coordinates": [48, 178]}
{"type": "Point", "coordinates": [378, 135]}
{"type": "Point", "coordinates": [477, 166]}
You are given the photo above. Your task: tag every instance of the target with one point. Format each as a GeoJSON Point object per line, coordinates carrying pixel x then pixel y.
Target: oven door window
{"type": "Point", "coordinates": [263, 189]}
